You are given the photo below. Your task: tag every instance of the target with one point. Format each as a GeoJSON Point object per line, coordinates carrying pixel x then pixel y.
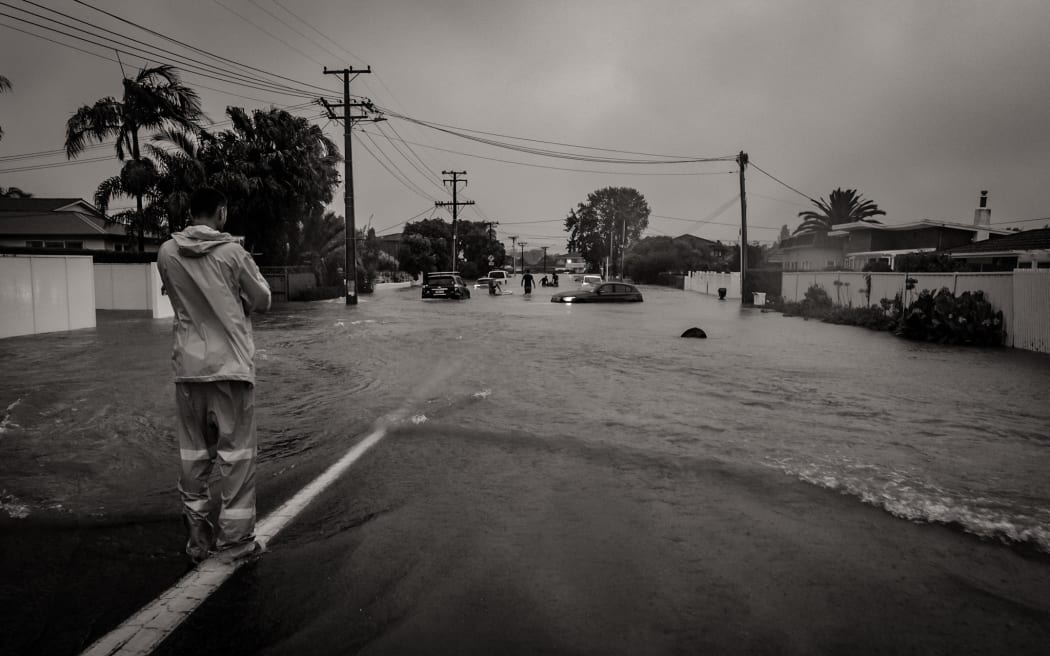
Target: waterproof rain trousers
{"type": "Point", "coordinates": [214, 285]}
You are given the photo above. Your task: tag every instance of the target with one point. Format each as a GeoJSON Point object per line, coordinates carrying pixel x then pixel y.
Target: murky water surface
{"type": "Point", "coordinates": [927, 432]}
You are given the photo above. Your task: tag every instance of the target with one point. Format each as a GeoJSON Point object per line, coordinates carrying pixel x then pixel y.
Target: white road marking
{"type": "Point", "coordinates": [142, 632]}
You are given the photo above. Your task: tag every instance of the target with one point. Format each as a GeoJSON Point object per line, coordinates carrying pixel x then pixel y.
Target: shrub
{"type": "Point", "coordinates": [949, 319]}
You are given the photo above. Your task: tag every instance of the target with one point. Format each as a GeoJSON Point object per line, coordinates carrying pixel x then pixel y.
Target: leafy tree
{"type": "Point", "coordinates": [842, 206]}
{"type": "Point", "coordinates": [277, 170]}
{"type": "Point", "coordinates": [153, 100]}
{"type": "Point", "coordinates": [650, 257]}
{"type": "Point", "coordinates": [604, 217]}
{"type": "Point", "coordinates": [322, 245]}
{"type": "Point", "coordinates": [416, 254]}
{"type": "Point", "coordinates": [5, 85]}
{"type": "Point", "coordinates": [14, 192]}
{"type": "Point", "coordinates": [437, 238]}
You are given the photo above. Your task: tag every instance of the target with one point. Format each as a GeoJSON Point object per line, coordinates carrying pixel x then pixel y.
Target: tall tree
{"type": "Point", "coordinates": [431, 253]}
{"type": "Point", "coordinates": [14, 192]}
{"type": "Point", "coordinates": [277, 170]}
{"type": "Point", "coordinates": [5, 85]}
{"type": "Point", "coordinates": [153, 100]}
{"type": "Point", "coordinates": [842, 206]}
{"type": "Point", "coordinates": [597, 227]}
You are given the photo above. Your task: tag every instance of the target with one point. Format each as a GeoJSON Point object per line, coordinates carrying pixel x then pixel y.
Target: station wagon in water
{"type": "Point", "coordinates": [607, 292]}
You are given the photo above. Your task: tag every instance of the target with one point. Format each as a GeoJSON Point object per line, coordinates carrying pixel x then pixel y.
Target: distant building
{"type": "Point", "coordinates": [62, 223]}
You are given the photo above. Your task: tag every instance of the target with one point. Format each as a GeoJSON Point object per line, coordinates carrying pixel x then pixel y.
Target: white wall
{"type": "Point", "coordinates": [1031, 325]}
{"type": "Point", "coordinates": [131, 287]}
{"type": "Point", "coordinates": [998, 288]}
{"type": "Point", "coordinates": [708, 282]}
{"type": "Point", "coordinates": [45, 293]}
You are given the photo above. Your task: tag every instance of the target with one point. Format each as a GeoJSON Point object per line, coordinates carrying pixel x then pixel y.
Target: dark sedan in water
{"type": "Point", "coordinates": [607, 292]}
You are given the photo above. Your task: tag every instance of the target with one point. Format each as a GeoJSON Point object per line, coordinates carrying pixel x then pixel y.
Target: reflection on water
{"type": "Point", "coordinates": [927, 432]}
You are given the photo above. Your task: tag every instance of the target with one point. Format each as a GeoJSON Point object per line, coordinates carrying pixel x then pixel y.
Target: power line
{"type": "Point", "coordinates": [301, 20]}
{"type": "Point", "coordinates": [406, 183]}
{"type": "Point", "coordinates": [207, 53]}
{"type": "Point", "coordinates": [124, 48]}
{"type": "Point", "coordinates": [267, 32]}
{"type": "Point", "coordinates": [181, 59]}
{"type": "Point", "coordinates": [768, 175]}
{"type": "Point", "coordinates": [433, 124]}
{"type": "Point", "coordinates": [560, 154]}
{"type": "Point", "coordinates": [558, 168]}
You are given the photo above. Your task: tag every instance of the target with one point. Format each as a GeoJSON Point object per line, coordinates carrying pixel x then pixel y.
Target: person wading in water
{"type": "Point", "coordinates": [527, 282]}
{"type": "Point", "coordinates": [214, 285]}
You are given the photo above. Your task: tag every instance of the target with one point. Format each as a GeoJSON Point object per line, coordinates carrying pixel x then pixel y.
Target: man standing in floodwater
{"type": "Point", "coordinates": [527, 282]}
{"type": "Point", "coordinates": [214, 285]}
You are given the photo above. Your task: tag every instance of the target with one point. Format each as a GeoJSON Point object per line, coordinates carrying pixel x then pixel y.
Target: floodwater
{"type": "Point", "coordinates": [927, 433]}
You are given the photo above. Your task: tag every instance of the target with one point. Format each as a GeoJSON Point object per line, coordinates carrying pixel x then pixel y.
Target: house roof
{"type": "Point", "coordinates": [846, 228]}
{"type": "Point", "coordinates": [62, 223]}
{"type": "Point", "coordinates": [47, 205]}
{"type": "Point", "coordinates": [1010, 242]}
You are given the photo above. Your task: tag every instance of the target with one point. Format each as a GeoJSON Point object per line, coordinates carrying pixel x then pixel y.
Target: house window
{"type": "Point", "coordinates": [54, 244]}
{"type": "Point", "coordinates": [75, 245]}
{"type": "Point", "coordinates": [34, 244]}
{"type": "Point", "coordinates": [830, 263]}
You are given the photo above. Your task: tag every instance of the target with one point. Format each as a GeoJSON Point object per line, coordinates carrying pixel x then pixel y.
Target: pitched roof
{"type": "Point", "coordinates": [68, 224]}
{"type": "Point", "coordinates": [1027, 240]}
{"type": "Point", "coordinates": [844, 228]}
{"type": "Point", "coordinates": [46, 205]}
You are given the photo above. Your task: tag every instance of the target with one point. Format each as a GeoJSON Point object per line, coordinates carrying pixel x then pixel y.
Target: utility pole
{"type": "Point", "coordinates": [455, 207]}
{"type": "Point", "coordinates": [492, 233]}
{"type": "Point", "coordinates": [623, 246]}
{"type": "Point", "coordinates": [544, 259]}
{"type": "Point", "coordinates": [350, 253]}
{"type": "Point", "coordinates": [741, 159]}
{"type": "Point", "coordinates": [513, 245]}
{"type": "Point", "coordinates": [522, 244]}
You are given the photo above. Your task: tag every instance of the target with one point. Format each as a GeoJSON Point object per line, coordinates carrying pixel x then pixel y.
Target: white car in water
{"type": "Point", "coordinates": [590, 282]}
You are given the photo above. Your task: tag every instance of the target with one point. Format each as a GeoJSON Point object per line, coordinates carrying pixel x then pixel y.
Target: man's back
{"type": "Point", "coordinates": [213, 284]}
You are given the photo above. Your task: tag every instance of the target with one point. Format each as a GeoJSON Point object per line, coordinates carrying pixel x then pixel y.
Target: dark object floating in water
{"type": "Point", "coordinates": [695, 332]}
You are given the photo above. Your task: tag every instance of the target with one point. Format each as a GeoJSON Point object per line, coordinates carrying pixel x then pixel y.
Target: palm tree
{"type": "Point", "coordinates": [842, 206]}
{"type": "Point", "coordinates": [154, 100]}
{"type": "Point", "coordinates": [5, 85]}
{"type": "Point", "coordinates": [14, 192]}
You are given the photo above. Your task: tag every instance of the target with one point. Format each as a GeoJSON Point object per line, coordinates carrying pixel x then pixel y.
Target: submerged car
{"type": "Point", "coordinates": [591, 281]}
{"type": "Point", "coordinates": [606, 292]}
{"type": "Point", "coordinates": [444, 284]}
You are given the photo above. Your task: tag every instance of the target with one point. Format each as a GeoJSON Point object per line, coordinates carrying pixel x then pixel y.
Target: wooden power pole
{"type": "Point", "coordinates": [741, 159]}
{"type": "Point", "coordinates": [456, 203]}
{"type": "Point", "coordinates": [350, 254]}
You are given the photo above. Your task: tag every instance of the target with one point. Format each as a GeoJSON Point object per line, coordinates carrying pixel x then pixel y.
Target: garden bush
{"type": "Point", "coordinates": [949, 319]}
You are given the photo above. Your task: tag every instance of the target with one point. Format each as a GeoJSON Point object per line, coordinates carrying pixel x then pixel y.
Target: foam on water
{"type": "Point", "coordinates": [13, 506]}
{"type": "Point", "coordinates": [483, 394]}
{"type": "Point", "coordinates": [924, 502]}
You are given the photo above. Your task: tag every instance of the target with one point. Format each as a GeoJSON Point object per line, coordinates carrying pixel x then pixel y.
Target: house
{"type": "Point", "coordinates": [812, 251]}
{"type": "Point", "coordinates": [877, 242]}
{"type": "Point", "coordinates": [715, 248]}
{"type": "Point", "coordinates": [61, 223]}
{"type": "Point", "coordinates": [854, 245]}
{"type": "Point", "coordinates": [1029, 249]}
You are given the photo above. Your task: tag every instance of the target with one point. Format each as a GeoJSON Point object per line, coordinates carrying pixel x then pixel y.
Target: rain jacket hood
{"type": "Point", "coordinates": [199, 240]}
{"type": "Point", "coordinates": [214, 285]}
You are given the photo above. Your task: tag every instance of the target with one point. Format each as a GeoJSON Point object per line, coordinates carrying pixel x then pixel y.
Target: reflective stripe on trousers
{"type": "Point", "coordinates": [216, 423]}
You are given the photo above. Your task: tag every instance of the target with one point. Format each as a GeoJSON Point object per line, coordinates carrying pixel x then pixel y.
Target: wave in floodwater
{"type": "Point", "coordinates": [923, 502]}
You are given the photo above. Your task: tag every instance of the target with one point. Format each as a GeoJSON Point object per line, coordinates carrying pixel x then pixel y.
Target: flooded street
{"type": "Point", "coordinates": [559, 479]}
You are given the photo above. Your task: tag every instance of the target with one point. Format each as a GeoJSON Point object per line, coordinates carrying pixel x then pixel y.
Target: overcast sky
{"type": "Point", "coordinates": [918, 105]}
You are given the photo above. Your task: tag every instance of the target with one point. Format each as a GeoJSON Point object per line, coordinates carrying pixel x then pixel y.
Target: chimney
{"type": "Point", "coordinates": [982, 218]}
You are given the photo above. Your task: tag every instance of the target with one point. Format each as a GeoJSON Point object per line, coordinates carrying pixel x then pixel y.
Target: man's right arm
{"type": "Point", "coordinates": [254, 290]}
